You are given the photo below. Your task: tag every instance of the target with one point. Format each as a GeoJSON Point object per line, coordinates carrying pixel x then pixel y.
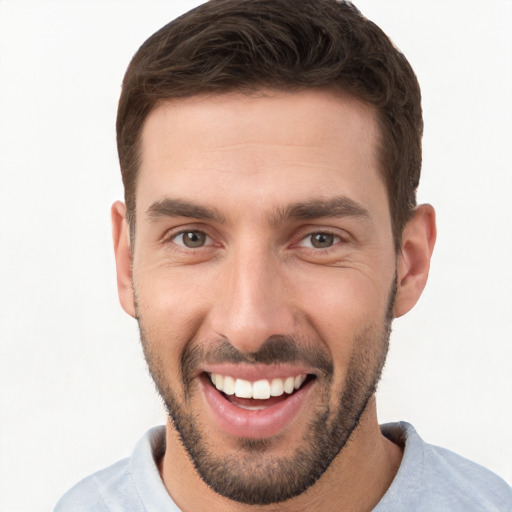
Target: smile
{"type": "Point", "coordinates": [255, 407]}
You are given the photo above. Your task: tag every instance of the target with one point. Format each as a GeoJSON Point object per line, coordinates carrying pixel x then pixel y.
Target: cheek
{"type": "Point", "coordinates": [171, 305]}
{"type": "Point", "coordinates": [342, 306]}
{"type": "Point", "coordinates": [342, 299]}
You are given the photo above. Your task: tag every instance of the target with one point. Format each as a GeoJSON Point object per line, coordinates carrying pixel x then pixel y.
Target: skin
{"type": "Point", "coordinates": [250, 158]}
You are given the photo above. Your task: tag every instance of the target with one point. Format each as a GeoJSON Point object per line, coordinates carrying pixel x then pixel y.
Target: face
{"type": "Point", "coordinates": [264, 278]}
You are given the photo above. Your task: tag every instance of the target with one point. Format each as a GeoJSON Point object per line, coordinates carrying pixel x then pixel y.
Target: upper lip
{"type": "Point", "coordinates": [256, 372]}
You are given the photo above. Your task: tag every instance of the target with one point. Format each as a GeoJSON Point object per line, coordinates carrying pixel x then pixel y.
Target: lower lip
{"type": "Point", "coordinates": [256, 424]}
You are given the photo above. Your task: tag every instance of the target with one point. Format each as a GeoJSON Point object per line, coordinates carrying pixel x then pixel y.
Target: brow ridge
{"type": "Point", "coordinates": [336, 207]}
{"type": "Point", "coordinates": [170, 207]}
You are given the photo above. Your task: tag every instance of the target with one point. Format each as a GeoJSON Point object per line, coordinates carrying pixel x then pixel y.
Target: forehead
{"type": "Point", "coordinates": [265, 147]}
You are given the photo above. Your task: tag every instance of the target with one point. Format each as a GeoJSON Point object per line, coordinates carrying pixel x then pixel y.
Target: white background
{"type": "Point", "coordinates": [74, 392]}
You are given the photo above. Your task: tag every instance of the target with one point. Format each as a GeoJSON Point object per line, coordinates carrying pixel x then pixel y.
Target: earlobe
{"type": "Point", "coordinates": [413, 261]}
{"type": "Point", "coordinates": [123, 254]}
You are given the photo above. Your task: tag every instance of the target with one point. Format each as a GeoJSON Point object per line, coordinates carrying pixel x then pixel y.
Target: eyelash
{"type": "Point", "coordinates": [171, 239]}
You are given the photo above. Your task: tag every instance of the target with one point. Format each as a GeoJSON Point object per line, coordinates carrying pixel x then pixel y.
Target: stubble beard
{"type": "Point", "coordinates": [252, 476]}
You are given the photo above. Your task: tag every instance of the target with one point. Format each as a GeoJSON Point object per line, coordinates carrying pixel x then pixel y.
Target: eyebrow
{"type": "Point", "coordinates": [335, 207]}
{"type": "Point", "coordinates": [179, 208]}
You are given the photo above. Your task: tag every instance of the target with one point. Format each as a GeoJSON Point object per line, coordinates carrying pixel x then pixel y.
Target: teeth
{"type": "Point", "coordinates": [228, 385]}
{"type": "Point", "coordinates": [289, 385]}
{"type": "Point", "coordinates": [243, 388]}
{"type": "Point", "coordinates": [299, 380]}
{"type": "Point", "coordinates": [276, 387]}
{"type": "Point", "coordinates": [261, 389]}
{"type": "Point", "coordinates": [252, 408]}
{"type": "Point", "coordinates": [219, 382]}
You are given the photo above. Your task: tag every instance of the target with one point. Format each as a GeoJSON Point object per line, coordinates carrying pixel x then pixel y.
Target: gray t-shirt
{"type": "Point", "coordinates": [429, 479]}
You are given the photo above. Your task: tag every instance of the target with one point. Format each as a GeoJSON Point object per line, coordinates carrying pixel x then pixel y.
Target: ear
{"type": "Point", "coordinates": [123, 253]}
{"type": "Point", "coordinates": [413, 264]}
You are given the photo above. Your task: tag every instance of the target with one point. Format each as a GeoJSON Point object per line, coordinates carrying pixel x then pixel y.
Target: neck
{"type": "Point", "coordinates": [355, 481]}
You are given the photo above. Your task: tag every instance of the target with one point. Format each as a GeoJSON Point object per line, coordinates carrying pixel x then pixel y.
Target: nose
{"type": "Point", "coordinates": [253, 301]}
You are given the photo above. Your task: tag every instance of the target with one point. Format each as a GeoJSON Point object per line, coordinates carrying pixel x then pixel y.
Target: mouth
{"type": "Point", "coordinates": [257, 408]}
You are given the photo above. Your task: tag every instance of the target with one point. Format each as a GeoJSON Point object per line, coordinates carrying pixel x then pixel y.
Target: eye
{"type": "Point", "coordinates": [320, 240]}
{"type": "Point", "coordinates": [191, 239]}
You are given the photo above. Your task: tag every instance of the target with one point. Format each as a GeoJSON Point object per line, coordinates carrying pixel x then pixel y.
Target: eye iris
{"type": "Point", "coordinates": [322, 240]}
{"type": "Point", "coordinates": [193, 239]}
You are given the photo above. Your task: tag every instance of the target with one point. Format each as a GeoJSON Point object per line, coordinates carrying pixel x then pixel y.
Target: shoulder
{"type": "Point", "coordinates": [129, 485]}
{"type": "Point", "coordinates": [93, 492]}
{"type": "Point", "coordinates": [433, 478]}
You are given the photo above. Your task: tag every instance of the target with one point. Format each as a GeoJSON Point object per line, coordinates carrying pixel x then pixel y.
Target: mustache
{"type": "Point", "coordinates": [274, 350]}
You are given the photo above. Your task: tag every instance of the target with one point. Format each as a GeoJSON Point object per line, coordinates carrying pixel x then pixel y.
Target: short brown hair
{"type": "Point", "coordinates": [246, 45]}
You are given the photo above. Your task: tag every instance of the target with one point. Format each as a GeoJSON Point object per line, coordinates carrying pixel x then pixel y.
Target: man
{"type": "Point", "coordinates": [270, 153]}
